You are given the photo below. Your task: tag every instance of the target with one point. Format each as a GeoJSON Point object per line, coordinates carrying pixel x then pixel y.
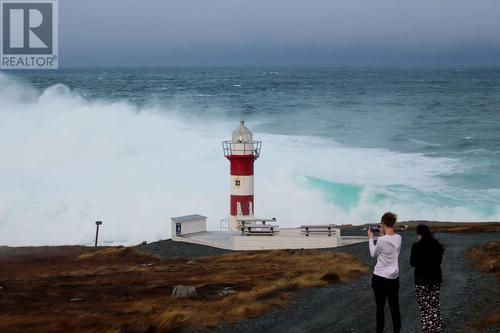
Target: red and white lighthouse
{"type": "Point", "coordinates": [241, 151]}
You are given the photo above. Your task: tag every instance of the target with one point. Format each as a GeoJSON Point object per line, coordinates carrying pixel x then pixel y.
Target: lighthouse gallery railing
{"type": "Point", "coordinates": [239, 148]}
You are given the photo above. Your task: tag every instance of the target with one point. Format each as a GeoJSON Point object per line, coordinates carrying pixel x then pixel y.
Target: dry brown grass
{"type": "Point", "coordinates": [490, 321]}
{"type": "Point", "coordinates": [118, 290]}
{"type": "Point", "coordinates": [456, 227]}
{"type": "Point", "coordinates": [486, 258]}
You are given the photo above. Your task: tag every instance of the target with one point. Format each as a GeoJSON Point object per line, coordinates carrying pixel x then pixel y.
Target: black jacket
{"type": "Point", "coordinates": [426, 257]}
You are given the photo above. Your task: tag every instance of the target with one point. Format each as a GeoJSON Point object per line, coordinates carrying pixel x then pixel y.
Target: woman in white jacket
{"type": "Point", "coordinates": [385, 279]}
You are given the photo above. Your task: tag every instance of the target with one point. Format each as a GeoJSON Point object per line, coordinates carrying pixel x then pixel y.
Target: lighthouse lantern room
{"type": "Point", "coordinates": [241, 151]}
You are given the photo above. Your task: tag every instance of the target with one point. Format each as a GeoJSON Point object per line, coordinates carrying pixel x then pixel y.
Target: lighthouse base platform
{"type": "Point", "coordinates": [287, 238]}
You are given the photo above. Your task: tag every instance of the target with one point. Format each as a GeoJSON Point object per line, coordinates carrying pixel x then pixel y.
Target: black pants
{"type": "Point", "coordinates": [387, 289]}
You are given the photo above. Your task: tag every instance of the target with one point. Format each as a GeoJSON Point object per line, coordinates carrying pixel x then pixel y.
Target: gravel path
{"type": "Point", "coordinates": [466, 293]}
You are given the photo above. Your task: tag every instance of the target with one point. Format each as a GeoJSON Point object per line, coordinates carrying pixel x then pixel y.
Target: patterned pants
{"type": "Point", "coordinates": [430, 309]}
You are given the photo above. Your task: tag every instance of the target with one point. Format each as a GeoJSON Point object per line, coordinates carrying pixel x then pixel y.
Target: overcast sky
{"type": "Point", "coordinates": [279, 32]}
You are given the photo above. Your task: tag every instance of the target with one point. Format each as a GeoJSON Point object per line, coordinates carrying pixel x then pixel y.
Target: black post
{"type": "Point", "coordinates": [97, 223]}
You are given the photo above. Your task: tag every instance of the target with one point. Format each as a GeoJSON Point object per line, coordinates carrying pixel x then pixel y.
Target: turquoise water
{"type": "Point", "coordinates": [344, 195]}
{"type": "Point", "coordinates": [421, 141]}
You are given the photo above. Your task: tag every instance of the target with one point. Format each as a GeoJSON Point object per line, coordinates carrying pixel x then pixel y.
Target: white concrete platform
{"type": "Point", "coordinates": [290, 238]}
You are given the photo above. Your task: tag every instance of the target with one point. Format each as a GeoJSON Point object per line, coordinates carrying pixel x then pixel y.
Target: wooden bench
{"type": "Point", "coordinates": [328, 229]}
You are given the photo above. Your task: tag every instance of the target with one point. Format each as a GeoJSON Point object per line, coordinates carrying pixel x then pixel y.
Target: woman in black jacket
{"type": "Point", "coordinates": [426, 257]}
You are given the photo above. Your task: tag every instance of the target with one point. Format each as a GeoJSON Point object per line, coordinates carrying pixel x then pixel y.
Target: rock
{"type": "Point", "coordinates": [149, 264]}
{"type": "Point", "coordinates": [76, 299]}
{"type": "Point", "coordinates": [226, 292]}
{"type": "Point", "coordinates": [181, 291]}
{"type": "Point", "coordinates": [191, 262]}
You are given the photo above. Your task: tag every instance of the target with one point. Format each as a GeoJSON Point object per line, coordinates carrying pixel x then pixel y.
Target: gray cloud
{"type": "Point", "coordinates": [279, 32]}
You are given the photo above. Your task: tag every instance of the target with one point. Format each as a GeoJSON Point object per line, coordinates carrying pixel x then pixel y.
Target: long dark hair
{"type": "Point", "coordinates": [427, 237]}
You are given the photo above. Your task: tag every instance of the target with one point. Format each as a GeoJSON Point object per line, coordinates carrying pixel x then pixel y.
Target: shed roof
{"type": "Point", "coordinates": [187, 218]}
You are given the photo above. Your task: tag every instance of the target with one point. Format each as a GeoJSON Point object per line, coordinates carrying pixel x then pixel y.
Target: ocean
{"type": "Point", "coordinates": [135, 146]}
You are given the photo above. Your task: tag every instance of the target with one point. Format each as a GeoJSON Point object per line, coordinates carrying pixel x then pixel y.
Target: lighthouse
{"type": "Point", "coordinates": [241, 151]}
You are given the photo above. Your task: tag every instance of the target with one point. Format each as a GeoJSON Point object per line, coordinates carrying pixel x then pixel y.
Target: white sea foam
{"type": "Point", "coordinates": [67, 161]}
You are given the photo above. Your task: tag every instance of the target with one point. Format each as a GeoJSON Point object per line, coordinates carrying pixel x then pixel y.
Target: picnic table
{"type": "Point", "coordinates": [326, 229]}
{"type": "Point", "coordinates": [258, 227]}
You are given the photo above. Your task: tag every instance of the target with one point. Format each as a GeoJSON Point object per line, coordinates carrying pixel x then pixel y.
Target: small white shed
{"type": "Point", "coordinates": [188, 224]}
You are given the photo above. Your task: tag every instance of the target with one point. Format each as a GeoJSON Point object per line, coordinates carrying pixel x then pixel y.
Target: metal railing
{"type": "Point", "coordinates": [224, 224]}
{"type": "Point", "coordinates": [241, 148]}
